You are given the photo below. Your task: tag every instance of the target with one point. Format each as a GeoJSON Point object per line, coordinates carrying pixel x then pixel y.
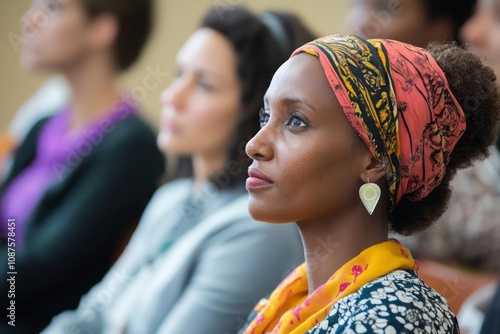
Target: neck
{"type": "Point", "coordinates": [331, 242]}
{"type": "Point", "coordinates": [93, 89]}
{"type": "Point", "coordinates": [204, 166]}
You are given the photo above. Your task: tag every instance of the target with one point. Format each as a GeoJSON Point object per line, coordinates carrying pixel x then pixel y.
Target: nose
{"type": "Point", "coordinates": [260, 147]}
{"type": "Point", "coordinates": [175, 94]}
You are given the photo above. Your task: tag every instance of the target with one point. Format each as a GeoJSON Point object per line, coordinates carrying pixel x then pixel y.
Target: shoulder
{"type": "Point", "coordinates": [133, 130]}
{"type": "Point", "coordinates": [260, 244]}
{"type": "Point", "coordinates": [165, 199]}
{"type": "Point", "coordinates": [398, 302]}
{"type": "Point", "coordinates": [237, 212]}
{"type": "Point", "coordinates": [128, 144]}
{"type": "Point", "coordinates": [171, 192]}
{"type": "Point", "coordinates": [33, 134]}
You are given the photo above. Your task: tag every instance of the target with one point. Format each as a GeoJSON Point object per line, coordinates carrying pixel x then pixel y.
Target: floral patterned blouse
{"type": "Point", "coordinates": [398, 302]}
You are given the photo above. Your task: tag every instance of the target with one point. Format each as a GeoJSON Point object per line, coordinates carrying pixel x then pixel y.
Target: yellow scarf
{"type": "Point", "coordinates": [290, 310]}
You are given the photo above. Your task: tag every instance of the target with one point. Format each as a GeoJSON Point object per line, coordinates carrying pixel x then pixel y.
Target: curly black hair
{"type": "Point", "coordinates": [475, 88]}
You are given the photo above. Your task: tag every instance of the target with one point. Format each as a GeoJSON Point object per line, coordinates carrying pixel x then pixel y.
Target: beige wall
{"type": "Point", "coordinates": [176, 20]}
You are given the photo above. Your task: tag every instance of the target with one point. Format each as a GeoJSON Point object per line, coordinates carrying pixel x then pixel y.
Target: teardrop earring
{"type": "Point", "coordinates": [369, 194]}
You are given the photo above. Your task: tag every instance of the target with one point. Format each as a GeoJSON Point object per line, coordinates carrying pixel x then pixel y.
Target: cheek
{"type": "Point", "coordinates": [56, 42]}
{"type": "Point", "coordinates": [393, 23]}
{"type": "Point", "coordinates": [69, 38]}
{"type": "Point", "coordinates": [215, 120]}
{"type": "Point", "coordinates": [310, 185]}
{"type": "Point", "coordinates": [206, 126]}
{"type": "Point", "coordinates": [326, 181]}
{"type": "Point", "coordinates": [359, 19]}
{"type": "Point", "coordinates": [494, 43]}
{"type": "Point", "coordinates": [400, 28]}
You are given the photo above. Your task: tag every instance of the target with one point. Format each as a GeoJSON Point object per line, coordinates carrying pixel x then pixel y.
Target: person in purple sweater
{"type": "Point", "coordinates": [81, 179]}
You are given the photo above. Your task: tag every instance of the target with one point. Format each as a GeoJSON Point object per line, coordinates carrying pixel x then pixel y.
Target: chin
{"type": "Point", "coordinates": [265, 214]}
{"type": "Point", "coordinates": [165, 142]}
{"type": "Point", "coordinates": [161, 141]}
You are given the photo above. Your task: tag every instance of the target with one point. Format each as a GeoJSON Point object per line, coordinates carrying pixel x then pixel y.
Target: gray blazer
{"type": "Point", "coordinates": [193, 266]}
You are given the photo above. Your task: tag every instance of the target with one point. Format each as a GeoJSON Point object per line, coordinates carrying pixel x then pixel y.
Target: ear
{"type": "Point", "coordinates": [103, 31]}
{"type": "Point", "coordinates": [374, 170]}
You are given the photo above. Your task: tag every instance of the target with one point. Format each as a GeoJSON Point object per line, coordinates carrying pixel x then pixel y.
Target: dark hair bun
{"type": "Point", "coordinates": [475, 88]}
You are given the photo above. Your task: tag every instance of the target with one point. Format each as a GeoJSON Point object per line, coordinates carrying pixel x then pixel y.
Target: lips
{"type": "Point", "coordinates": [257, 179]}
{"type": "Point", "coordinates": [170, 125]}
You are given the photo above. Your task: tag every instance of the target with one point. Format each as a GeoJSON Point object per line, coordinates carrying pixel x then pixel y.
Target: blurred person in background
{"type": "Point", "coordinates": [413, 22]}
{"type": "Point", "coordinates": [198, 262]}
{"type": "Point", "coordinates": [49, 98]}
{"type": "Point", "coordinates": [79, 180]}
{"type": "Point", "coordinates": [468, 233]}
{"type": "Point", "coordinates": [491, 322]}
{"type": "Point", "coordinates": [479, 200]}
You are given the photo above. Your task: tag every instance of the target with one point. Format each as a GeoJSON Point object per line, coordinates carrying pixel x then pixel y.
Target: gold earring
{"type": "Point", "coordinates": [369, 194]}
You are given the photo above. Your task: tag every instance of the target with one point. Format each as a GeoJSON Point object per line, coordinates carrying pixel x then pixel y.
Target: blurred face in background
{"type": "Point", "coordinates": [201, 106]}
{"type": "Point", "coordinates": [54, 33]}
{"type": "Point", "coordinates": [482, 32]}
{"type": "Point", "coordinates": [402, 20]}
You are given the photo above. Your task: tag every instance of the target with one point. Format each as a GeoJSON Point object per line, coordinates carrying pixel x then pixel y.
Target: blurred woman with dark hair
{"type": "Point", "coordinates": [198, 262]}
{"type": "Point", "coordinates": [414, 22]}
{"type": "Point", "coordinates": [81, 179]}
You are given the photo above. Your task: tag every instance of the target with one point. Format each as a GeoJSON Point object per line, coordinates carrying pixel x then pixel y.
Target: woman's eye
{"type": "Point", "coordinates": [296, 122]}
{"type": "Point", "coordinates": [263, 117]}
{"type": "Point", "coordinates": [52, 6]}
{"type": "Point", "coordinates": [381, 5]}
{"type": "Point", "coordinates": [205, 86]}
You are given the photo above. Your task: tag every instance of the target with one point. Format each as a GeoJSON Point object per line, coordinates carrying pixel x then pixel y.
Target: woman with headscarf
{"type": "Point", "coordinates": [359, 138]}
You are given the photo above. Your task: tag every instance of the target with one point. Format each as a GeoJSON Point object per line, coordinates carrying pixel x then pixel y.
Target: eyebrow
{"type": "Point", "coordinates": [201, 70]}
{"type": "Point", "coordinates": [289, 101]}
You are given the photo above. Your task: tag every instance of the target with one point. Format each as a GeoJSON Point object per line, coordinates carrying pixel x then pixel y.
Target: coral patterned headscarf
{"type": "Point", "coordinates": [399, 102]}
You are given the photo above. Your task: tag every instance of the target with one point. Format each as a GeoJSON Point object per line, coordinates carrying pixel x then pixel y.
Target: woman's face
{"type": "Point", "coordinates": [55, 34]}
{"type": "Point", "coordinates": [201, 106]}
{"type": "Point", "coordinates": [306, 149]}
{"type": "Point", "coordinates": [482, 32]}
{"type": "Point", "coordinates": [402, 20]}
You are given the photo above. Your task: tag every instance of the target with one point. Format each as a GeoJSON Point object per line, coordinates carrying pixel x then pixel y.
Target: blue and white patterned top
{"type": "Point", "coordinates": [399, 302]}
